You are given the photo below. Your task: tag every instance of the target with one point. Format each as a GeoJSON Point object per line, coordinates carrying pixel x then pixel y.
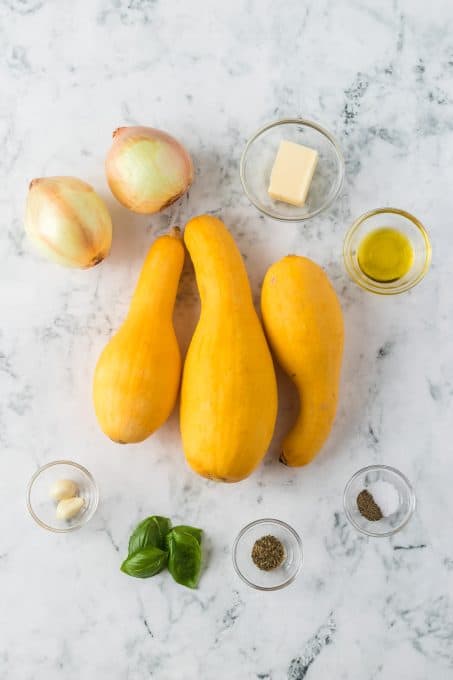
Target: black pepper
{"type": "Point", "coordinates": [268, 553]}
{"type": "Point", "coordinates": [367, 506]}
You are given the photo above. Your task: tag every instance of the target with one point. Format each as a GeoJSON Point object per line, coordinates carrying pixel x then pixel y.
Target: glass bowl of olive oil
{"type": "Point", "coordinates": [387, 251]}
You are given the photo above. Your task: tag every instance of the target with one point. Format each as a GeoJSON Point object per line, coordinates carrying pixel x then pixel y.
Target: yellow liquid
{"type": "Point", "coordinates": [385, 255]}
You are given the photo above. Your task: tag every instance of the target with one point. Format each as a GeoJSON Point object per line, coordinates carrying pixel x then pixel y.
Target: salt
{"type": "Point", "coordinates": [385, 496]}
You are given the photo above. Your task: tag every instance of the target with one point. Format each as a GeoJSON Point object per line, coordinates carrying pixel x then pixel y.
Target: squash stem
{"type": "Point", "coordinates": [175, 232]}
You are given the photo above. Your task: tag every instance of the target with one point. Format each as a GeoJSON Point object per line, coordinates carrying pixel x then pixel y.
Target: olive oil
{"type": "Point", "coordinates": [385, 255]}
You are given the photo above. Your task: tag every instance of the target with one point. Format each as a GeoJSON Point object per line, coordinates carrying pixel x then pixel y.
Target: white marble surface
{"type": "Point", "coordinates": [379, 75]}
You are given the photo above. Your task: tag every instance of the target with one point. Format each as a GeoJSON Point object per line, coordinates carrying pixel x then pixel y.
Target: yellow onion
{"type": "Point", "coordinates": [147, 169]}
{"type": "Point", "coordinates": [68, 222]}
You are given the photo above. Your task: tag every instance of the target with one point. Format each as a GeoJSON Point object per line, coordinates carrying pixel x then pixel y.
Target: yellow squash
{"type": "Point", "coordinates": [304, 324]}
{"type": "Point", "coordinates": [229, 393]}
{"type": "Point", "coordinates": [137, 376]}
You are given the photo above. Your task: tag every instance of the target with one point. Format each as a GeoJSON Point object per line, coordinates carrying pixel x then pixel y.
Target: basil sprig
{"type": "Point", "coordinates": [150, 532]}
{"type": "Point", "coordinates": [145, 562]}
{"type": "Point", "coordinates": [196, 533]}
{"type": "Point", "coordinates": [184, 555]}
{"type": "Point", "coordinates": [153, 545]}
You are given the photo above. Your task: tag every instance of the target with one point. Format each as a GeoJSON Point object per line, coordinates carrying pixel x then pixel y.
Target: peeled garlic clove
{"type": "Point", "coordinates": [63, 488]}
{"type": "Point", "coordinates": [69, 507]}
{"type": "Point", "coordinates": [147, 169]}
{"type": "Point", "coordinates": [68, 222]}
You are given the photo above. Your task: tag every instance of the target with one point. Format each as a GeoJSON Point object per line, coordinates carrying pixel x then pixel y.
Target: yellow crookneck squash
{"type": "Point", "coordinates": [229, 392]}
{"type": "Point", "coordinates": [137, 376]}
{"type": "Point", "coordinates": [304, 325]}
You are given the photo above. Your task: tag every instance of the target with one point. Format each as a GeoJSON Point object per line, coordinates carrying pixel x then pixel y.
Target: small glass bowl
{"type": "Point", "coordinates": [403, 222]}
{"type": "Point", "coordinates": [387, 526]}
{"type": "Point", "coordinates": [43, 509]}
{"type": "Point", "coordinates": [258, 158]}
{"type": "Point", "coordinates": [276, 578]}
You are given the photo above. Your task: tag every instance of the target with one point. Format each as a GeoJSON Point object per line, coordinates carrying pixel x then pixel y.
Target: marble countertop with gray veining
{"type": "Point", "coordinates": [380, 77]}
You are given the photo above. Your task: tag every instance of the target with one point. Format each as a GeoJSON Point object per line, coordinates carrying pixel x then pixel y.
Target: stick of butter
{"type": "Point", "coordinates": [292, 173]}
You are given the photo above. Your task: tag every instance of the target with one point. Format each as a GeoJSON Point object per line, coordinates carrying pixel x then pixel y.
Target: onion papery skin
{"type": "Point", "coordinates": [68, 222]}
{"type": "Point", "coordinates": [147, 169]}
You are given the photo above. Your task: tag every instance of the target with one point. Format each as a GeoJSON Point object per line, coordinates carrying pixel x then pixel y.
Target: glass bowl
{"type": "Point", "coordinates": [43, 509]}
{"type": "Point", "coordinates": [363, 479]}
{"type": "Point", "coordinates": [258, 158]}
{"type": "Point", "coordinates": [397, 219]}
{"type": "Point", "coordinates": [242, 554]}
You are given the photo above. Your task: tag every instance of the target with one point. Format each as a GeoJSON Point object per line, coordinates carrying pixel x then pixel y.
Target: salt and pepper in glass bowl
{"type": "Point", "coordinates": [378, 500]}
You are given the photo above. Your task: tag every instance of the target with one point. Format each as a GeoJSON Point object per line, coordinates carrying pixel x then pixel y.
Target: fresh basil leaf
{"type": "Point", "coordinates": [193, 531]}
{"type": "Point", "coordinates": [145, 562]}
{"type": "Point", "coordinates": [184, 558]}
{"type": "Point", "coordinates": [149, 533]}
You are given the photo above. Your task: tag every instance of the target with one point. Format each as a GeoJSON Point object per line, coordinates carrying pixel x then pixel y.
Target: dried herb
{"type": "Point", "coordinates": [268, 553]}
{"type": "Point", "coordinates": [368, 507]}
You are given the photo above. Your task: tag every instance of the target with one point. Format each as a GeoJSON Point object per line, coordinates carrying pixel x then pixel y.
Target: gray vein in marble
{"type": "Point", "coordinates": [17, 60]}
{"type": "Point", "coordinates": [144, 618]}
{"type": "Point", "coordinates": [231, 615]}
{"type": "Point", "coordinates": [401, 33]}
{"type": "Point", "coordinates": [23, 6]}
{"type": "Point", "coordinates": [10, 146]}
{"type": "Point", "coordinates": [129, 12]}
{"type": "Point", "coordinates": [107, 531]}
{"type": "Point", "coordinates": [385, 349]}
{"type": "Point", "coordinates": [127, 116]}
{"type": "Point", "coordinates": [343, 541]}
{"type": "Point", "coordinates": [148, 629]}
{"type": "Point", "coordinates": [353, 96]}
{"type": "Point", "coordinates": [16, 237]}
{"type": "Point", "coordinates": [372, 436]}
{"type": "Point", "coordinates": [300, 665]}
{"type": "Point", "coordinates": [6, 366]}
{"type": "Point", "coordinates": [377, 672]}
{"type": "Point", "coordinates": [21, 402]}
{"type": "Point", "coordinates": [435, 391]}
{"type": "Point", "coordinates": [429, 626]}
{"type": "Point", "coordinates": [420, 70]}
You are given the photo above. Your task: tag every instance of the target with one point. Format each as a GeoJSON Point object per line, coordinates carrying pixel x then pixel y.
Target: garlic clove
{"type": "Point", "coordinates": [63, 488]}
{"type": "Point", "coordinates": [68, 508]}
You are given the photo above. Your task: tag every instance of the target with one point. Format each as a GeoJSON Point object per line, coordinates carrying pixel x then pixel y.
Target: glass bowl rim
{"type": "Point", "coordinates": [294, 121]}
{"type": "Point", "coordinates": [406, 482]}
{"type": "Point", "coordinates": [374, 286]}
{"type": "Point", "coordinates": [280, 523]}
{"type": "Point", "coordinates": [35, 476]}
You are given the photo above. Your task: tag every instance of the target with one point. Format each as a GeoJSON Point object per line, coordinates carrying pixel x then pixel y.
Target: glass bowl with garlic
{"type": "Point", "coordinates": [62, 496]}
